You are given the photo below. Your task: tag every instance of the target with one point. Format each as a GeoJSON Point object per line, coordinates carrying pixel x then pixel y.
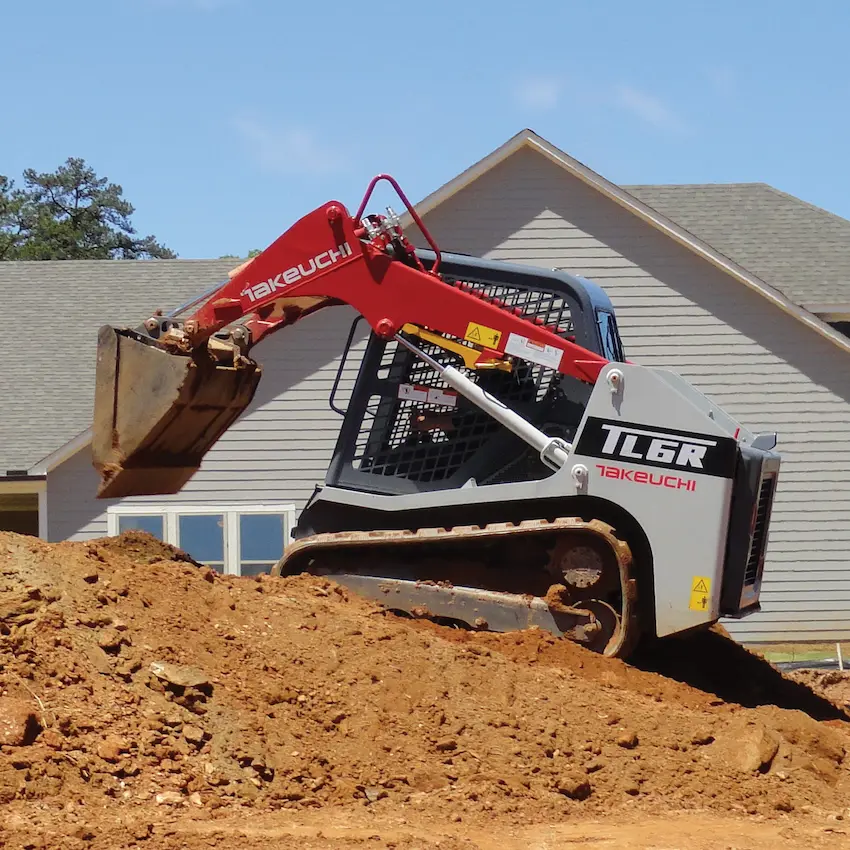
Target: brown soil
{"type": "Point", "coordinates": [832, 684]}
{"type": "Point", "coordinates": [147, 701]}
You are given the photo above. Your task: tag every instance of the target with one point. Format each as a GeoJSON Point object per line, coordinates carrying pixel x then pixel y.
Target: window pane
{"type": "Point", "coordinates": [202, 536]}
{"type": "Point", "coordinates": [611, 347]}
{"type": "Point", "coordinates": [260, 537]}
{"type": "Point", "coordinates": [152, 524]}
{"type": "Point", "coordinates": [255, 569]}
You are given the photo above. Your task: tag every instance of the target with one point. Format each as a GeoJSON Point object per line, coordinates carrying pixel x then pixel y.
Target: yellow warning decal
{"type": "Point", "coordinates": [700, 593]}
{"type": "Point", "coordinates": [482, 335]}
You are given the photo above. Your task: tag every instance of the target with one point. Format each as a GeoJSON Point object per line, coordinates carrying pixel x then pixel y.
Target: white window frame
{"type": "Point", "coordinates": [230, 513]}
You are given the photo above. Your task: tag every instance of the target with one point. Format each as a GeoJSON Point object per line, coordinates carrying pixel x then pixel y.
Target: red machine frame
{"type": "Point", "coordinates": [329, 257]}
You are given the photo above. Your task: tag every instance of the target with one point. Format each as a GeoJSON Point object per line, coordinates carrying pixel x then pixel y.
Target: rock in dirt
{"type": "Point", "coordinates": [20, 607]}
{"type": "Point", "coordinates": [111, 748]}
{"type": "Point", "coordinates": [574, 785]}
{"type": "Point", "coordinates": [90, 575]}
{"type": "Point", "coordinates": [19, 724]}
{"type": "Point", "coordinates": [181, 676]}
{"type": "Point", "coordinates": [749, 745]}
{"type": "Point", "coordinates": [110, 639]}
{"type": "Point", "coordinates": [193, 735]}
{"type": "Point", "coordinates": [628, 740]}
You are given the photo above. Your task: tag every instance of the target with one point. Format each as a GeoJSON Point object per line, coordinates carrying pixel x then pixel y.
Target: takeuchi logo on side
{"type": "Point", "coordinates": [673, 482]}
{"type": "Point", "coordinates": [296, 273]}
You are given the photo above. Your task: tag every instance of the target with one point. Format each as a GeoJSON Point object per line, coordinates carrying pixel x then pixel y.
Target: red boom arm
{"type": "Point", "coordinates": [329, 257]}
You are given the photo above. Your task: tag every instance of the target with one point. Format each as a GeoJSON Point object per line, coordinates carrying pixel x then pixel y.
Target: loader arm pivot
{"type": "Point", "coordinates": [165, 395]}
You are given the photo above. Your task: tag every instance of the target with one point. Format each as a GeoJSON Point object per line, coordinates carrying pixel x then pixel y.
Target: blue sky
{"type": "Point", "coordinates": [226, 120]}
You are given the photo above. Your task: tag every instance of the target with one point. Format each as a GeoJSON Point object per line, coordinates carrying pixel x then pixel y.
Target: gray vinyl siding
{"type": "Point", "coordinates": [680, 312]}
{"type": "Point", "coordinates": [72, 511]}
{"type": "Point", "coordinates": [277, 452]}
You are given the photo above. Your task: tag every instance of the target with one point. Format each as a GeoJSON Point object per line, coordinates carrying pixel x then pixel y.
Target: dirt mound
{"type": "Point", "coordinates": [833, 685]}
{"type": "Point", "coordinates": [139, 547]}
{"type": "Point", "coordinates": [714, 663]}
{"type": "Point", "coordinates": [134, 683]}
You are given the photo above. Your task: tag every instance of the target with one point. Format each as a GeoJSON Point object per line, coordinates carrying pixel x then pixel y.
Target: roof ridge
{"type": "Point", "coordinates": [760, 184]}
{"type": "Point", "coordinates": [801, 202]}
{"type": "Point", "coordinates": [691, 185]}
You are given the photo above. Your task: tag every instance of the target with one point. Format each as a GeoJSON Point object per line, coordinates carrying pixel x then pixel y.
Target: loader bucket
{"type": "Point", "coordinates": [156, 414]}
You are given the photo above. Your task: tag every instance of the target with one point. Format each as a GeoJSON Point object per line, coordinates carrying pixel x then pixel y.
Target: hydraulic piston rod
{"type": "Point", "coordinates": [553, 452]}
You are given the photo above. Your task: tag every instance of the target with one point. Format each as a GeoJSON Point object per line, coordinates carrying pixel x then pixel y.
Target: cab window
{"type": "Point", "coordinates": [612, 347]}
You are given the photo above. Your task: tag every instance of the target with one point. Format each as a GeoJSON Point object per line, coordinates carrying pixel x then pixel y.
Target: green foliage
{"type": "Point", "coordinates": [70, 214]}
{"type": "Point", "coordinates": [11, 217]}
{"type": "Point", "coordinates": [252, 253]}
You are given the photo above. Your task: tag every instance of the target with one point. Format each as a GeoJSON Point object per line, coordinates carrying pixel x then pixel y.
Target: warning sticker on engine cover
{"type": "Point", "coordinates": [700, 593]}
{"type": "Point", "coordinates": [536, 352]}
{"type": "Point", "coordinates": [482, 335]}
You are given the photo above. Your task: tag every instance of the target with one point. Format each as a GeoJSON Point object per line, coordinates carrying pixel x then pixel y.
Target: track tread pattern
{"type": "Point", "coordinates": [298, 554]}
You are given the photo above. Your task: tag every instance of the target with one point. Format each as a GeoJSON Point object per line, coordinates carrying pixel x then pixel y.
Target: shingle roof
{"type": "Point", "coordinates": [51, 314]}
{"type": "Point", "coordinates": [799, 249]}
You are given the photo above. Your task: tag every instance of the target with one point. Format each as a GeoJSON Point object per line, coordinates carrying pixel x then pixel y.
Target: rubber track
{"type": "Point", "coordinates": [305, 548]}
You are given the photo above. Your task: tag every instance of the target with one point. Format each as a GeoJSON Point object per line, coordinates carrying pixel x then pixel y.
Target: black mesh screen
{"type": "Point", "coordinates": [389, 443]}
{"type": "Point", "coordinates": [755, 561]}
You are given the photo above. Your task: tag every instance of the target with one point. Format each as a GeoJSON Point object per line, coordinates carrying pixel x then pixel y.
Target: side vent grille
{"type": "Point", "coordinates": [758, 541]}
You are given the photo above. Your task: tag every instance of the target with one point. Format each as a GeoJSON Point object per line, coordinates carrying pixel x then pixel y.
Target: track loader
{"type": "Point", "coordinates": [500, 463]}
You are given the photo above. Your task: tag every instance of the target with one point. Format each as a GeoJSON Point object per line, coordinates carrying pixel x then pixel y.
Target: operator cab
{"type": "Point", "coordinates": [393, 443]}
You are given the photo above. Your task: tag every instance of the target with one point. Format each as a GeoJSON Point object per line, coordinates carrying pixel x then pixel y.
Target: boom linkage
{"type": "Point", "coordinates": [330, 257]}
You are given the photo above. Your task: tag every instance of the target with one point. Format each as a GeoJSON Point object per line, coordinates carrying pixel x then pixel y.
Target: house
{"type": "Point", "coordinates": [742, 289]}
